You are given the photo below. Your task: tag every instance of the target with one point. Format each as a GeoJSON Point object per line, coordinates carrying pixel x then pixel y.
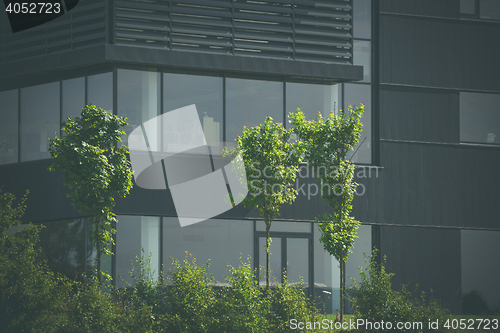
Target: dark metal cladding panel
{"type": "Point", "coordinates": [438, 53]}
{"type": "Point", "coordinates": [441, 8]}
{"type": "Point", "coordinates": [427, 257]}
{"type": "Point", "coordinates": [453, 186]}
{"type": "Point", "coordinates": [418, 114]}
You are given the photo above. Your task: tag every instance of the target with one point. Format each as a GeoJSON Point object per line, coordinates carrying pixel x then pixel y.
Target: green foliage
{"type": "Point", "coordinates": [327, 143]}
{"type": "Point", "coordinates": [191, 298]}
{"type": "Point", "coordinates": [31, 296]}
{"type": "Point", "coordinates": [289, 302]}
{"type": "Point", "coordinates": [94, 169]}
{"type": "Point", "coordinates": [242, 306]}
{"type": "Point", "coordinates": [375, 300]}
{"type": "Point", "coordinates": [271, 165]}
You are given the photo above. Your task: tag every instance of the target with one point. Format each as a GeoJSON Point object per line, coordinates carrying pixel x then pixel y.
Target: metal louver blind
{"type": "Point", "coordinates": [83, 26]}
{"type": "Point", "coordinates": [290, 29]}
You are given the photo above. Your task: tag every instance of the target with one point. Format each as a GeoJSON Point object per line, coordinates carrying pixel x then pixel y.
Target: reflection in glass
{"type": "Point", "coordinates": [205, 92]}
{"type": "Point", "coordinates": [326, 290]}
{"type": "Point", "coordinates": [63, 246]}
{"type": "Point", "coordinates": [312, 98]}
{"type": "Point", "coordinates": [9, 126]}
{"type": "Point", "coordinates": [249, 102]}
{"type": "Point", "coordinates": [362, 57]}
{"type": "Point", "coordinates": [220, 241]}
{"type": "Point", "coordinates": [355, 94]}
{"type": "Point", "coordinates": [39, 120]}
{"type": "Point", "coordinates": [73, 97]}
{"type": "Point", "coordinates": [284, 226]}
{"type": "Point", "coordinates": [275, 267]}
{"type": "Point", "coordinates": [297, 256]}
{"type": "Point", "coordinates": [480, 118]}
{"type": "Point", "coordinates": [135, 234]}
{"type": "Point", "coordinates": [468, 7]}
{"type": "Point", "coordinates": [100, 91]}
{"type": "Point", "coordinates": [480, 270]}
{"type": "Point", "coordinates": [138, 98]}
{"type": "Point", "coordinates": [362, 13]}
{"type": "Point", "coordinates": [489, 9]}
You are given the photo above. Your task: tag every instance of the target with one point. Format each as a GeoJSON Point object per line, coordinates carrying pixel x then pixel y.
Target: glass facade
{"type": "Point", "coordinates": [249, 102]}
{"type": "Point", "coordinates": [355, 94]}
{"type": "Point", "coordinates": [312, 98]}
{"type": "Point", "coordinates": [100, 91]}
{"type": "Point", "coordinates": [9, 135]}
{"type": "Point", "coordinates": [479, 118]}
{"type": "Point", "coordinates": [40, 120]}
{"type": "Point", "coordinates": [73, 97]}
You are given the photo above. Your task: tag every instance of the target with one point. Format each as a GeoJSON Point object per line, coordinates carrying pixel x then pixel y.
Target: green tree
{"type": "Point", "coordinates": [328, 140]}
{"type": "Point", "coordinates": [32, 298]}
{"type": "Point", "coordinates": [94, 169]}
{"type": "Point", "coordinates": [271, 164]}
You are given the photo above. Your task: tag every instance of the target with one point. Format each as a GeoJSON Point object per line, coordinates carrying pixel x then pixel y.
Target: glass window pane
{"type": "Point", "coordinates": [489, 9]}
{"type": "Point", "coordinates": [63, 245]}
{"type": "Point", "coordinates": [220, 241]}
{"type": "Point", "coordinates": [362, 57]}
{"type": "Point", "coordinates": [73, 97]}
{"type": "Point", "coordinates": [134, 233]}
{"type": "Point", "coordinates": [479, 118]}
{"type": "Point", "coordinates": [297, 256]}
{"type": "Point", "coordinates": [362, 13]}
{"type": "Point", "coordinates": [138, 97]}
{"type": "Point", "coordinates": [8, 126]}
{"type": "Point", "coordinates": [39, 120]}
{"type": "Point", "coordinates": [100, 91]}
{"type": "Point", "coordinates": [480, 251]}
{"type": "Point", "coordinates": [285, 226]}
{"type": "Point", "coordinates": [326, 287]}
{"type": "Point", "coordinates": [354, 95]}
{"type": "Point", "coordinates": [312, 98]}
{"type": "Point", "coordinates": [275, 267]}
{"type": "Point", "coordinates": [468, 7]}
{"type": "Point", "coordinates": [249, 102]}
{"type": "Point", "coordinates": [205, 92]}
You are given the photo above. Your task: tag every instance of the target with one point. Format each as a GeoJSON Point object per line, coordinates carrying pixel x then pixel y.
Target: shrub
{"type": "Point", "coordinates": [374, 300]}
{"type": "Point", "coordinates": [289, 302]}
{"type": "Point", "coordinates": [191, 299]}
{"type": "Point", "coordinates": [242, 306]}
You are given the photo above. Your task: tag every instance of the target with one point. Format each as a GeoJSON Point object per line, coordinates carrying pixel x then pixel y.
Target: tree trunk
{"type": "Point", "coordinates": [342, 286]}
{"type": "Point", "coordinates": [98, 257]}
{"type": "Point", "coordinates": [268, 251]}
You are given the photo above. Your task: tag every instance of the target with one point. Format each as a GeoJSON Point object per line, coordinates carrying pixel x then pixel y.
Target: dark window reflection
{"type": "Point", "coordinates": [138, 96]}
{"type": "Point", "coordinates": [63, 245]}
{"type": "Point", "coordinates": [100, 91]}
{"type": "Point", "coordinates": [362, 19]}
{"type": "Point", "coordinates": [362, 57]}
{"type": "Point", "coordinates": [8, 126]}
{"type": "Point", "coordinates": [355, 94]}
{"type": "Point", "coordinates": [73, 97]}
{"type": "Point", "coordinates": [479, 118]}
{"type": "Point", "coordinates": [205, 92]}
{"type": "Point", "coordinates": [489, 9]}
{"type": "Point", "coordinates": [468, 7]}
{"type": "Point", "coordinates": [39, 120]}
{"type": "Point", "coordinates": [312, 98]}
{"type": "Point", "coordinates": [249, 102]}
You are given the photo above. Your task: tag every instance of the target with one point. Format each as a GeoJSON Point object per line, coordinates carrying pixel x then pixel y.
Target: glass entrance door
{"type": "Point", "coordinates": [290, 254]}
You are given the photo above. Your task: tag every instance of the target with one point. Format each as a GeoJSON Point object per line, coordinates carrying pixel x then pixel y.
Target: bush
{"type": "Point", "coordinates": [289, 302]}
{"type": "Point", "coordinates": [242, 306]}
{"type": "Point", "coordinates": [374, 300]}
{"type": "Point", "coordinates": [192, 300]}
